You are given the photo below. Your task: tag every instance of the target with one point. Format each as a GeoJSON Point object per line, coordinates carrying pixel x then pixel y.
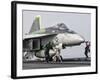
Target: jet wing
{"type": "Point", "coordinates": [30, 36]}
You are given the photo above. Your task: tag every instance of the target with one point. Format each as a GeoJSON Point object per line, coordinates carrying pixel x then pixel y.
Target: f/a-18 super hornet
{"type": "Point", "coordinates": [59, 36]}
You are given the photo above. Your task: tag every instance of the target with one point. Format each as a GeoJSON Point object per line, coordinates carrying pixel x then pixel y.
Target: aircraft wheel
{"type": "Point", "coordinates": [50, 59]}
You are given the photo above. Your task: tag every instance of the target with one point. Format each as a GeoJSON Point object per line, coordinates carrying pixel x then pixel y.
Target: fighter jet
{"type": "Point", "coordinates": [38, 37]}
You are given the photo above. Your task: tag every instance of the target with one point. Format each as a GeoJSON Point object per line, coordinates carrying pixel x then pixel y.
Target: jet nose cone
{"type": "Point", "coordinates": [81, 39]}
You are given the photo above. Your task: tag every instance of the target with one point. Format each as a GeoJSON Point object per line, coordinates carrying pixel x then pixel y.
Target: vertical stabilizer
{"type": "Point", "coordinates": [36, 24]}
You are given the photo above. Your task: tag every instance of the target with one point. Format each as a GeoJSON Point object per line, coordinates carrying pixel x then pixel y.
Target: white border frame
{"type": "Point", "coordinates": [37, 72]}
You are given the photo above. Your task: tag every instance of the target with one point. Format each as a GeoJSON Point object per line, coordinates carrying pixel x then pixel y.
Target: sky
{"type": "Point", "coordinates": [78, 22]}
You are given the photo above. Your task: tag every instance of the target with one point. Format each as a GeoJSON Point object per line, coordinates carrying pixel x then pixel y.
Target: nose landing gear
{"type": "Point", "coordinates": [57, 58]}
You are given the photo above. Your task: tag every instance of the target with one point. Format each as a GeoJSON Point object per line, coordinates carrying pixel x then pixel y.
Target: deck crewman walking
{"type": "Point", "coordinates": [87, 48]}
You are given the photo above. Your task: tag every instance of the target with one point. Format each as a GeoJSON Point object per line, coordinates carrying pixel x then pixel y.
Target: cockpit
{"type": "Point", "coordinates": [63, 27]}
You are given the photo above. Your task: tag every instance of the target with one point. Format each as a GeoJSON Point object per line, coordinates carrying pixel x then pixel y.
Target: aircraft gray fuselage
{"type": "Point", "coordinates": [59, 34]}
{"type": "Point", "coordinates": [66, 39]}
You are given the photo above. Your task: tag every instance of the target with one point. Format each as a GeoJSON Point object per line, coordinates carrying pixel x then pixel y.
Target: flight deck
{"type": "Point", "coordinates": [73, 62]}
